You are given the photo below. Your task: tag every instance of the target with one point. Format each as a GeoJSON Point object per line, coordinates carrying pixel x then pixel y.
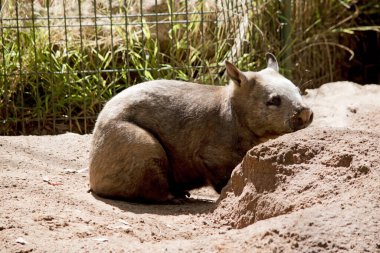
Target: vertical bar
{"type": "Point", "coordinates": [126, 7]}
{"type": "Point", "coordinates": [4, 77]}
{"type": "Point", "coordinates": [203, 67]}
{"type": "Point", "coordinates": [189, 69]}
{"type": "Point", "coordinates": [236, 29]}
{"type": "Point", "coordinates": [67, 72]}
{"type": "Point", "coordinates": [81, 62]}
{"type": "Point", "coordinates": [228, 21]}
{"type": "Point", "coordinates": [213, 79]}
{"type": "Point", "coordinates": [96, 38]}
{"type": "Point", "coordinates": [157, 39]}
{"type": "Point", "coordinates": [51, 70]}
{"type": "Point", "coordinates": [222, 36]}
{"type": "Point", "coordinates": [36, 66]}
{"type": "Point", "coordinates": [143, 53]}
{"type": "Point", "coordinates": [172, 40]}
{"type": "Point", "coordinates": [113, 75]}
{"type": "Point", "coordinates": [250, 8]}
{"type": "Point", "coordinates": [141, 18]}
{"type": "Point", "coordinates": [20, 72]}
{"type": "Point", "coordinates": [239, 40]}
{"type": "Point", "coordinates": [97, 49]}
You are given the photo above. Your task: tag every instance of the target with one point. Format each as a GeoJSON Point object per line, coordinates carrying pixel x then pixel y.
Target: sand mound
{"type": "Point", "coordinates": [298, 171]}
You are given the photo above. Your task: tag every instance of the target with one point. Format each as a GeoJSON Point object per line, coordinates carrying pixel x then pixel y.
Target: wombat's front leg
{"type": "Point", "coordinates": [127, 162]}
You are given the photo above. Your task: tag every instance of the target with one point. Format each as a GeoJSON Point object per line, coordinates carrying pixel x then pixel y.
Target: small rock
{"type": "Point", "coordinates": [84, 170]}
{"type": "Point", "coordinates": [352, 109]}
{"type": "Point", "coordinates": [100, 239]}
{"type": "Point", "coordinates": [70, 171]}
{"type": "Point", "coordinates": [21, 241]}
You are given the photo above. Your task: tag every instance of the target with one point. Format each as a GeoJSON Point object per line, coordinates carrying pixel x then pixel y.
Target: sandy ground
{"type": "Point", "coordinates": [326, 195]}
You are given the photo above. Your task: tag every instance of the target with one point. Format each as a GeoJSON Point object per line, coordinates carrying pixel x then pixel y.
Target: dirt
{"type": "Point", "coordinates": [309, 191]}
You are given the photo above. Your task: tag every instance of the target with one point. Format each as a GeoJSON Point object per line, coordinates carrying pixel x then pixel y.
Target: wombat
{"type": "Point", "coordinates": [157, 140]}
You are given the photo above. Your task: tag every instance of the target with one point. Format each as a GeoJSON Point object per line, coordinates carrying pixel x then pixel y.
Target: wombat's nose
{"type": "Point", "coordinates": [302, 118]}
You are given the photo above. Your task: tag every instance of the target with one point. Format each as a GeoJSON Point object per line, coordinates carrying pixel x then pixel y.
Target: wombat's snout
{"type": "Point", "coordinates": [302, 118]}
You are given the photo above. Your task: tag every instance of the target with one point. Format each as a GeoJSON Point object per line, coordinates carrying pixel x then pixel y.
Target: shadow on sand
{"type": "Point", "coordinates": [189, 206]}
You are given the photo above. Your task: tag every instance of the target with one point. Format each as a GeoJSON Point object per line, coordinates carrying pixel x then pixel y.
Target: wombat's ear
{"type": "Point", "coordinates": [235, 74]}
{"type": "Point", "coordinates": [272, 62]}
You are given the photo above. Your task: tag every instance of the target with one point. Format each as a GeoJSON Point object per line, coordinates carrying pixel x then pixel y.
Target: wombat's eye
{"type": "Point", "coordinates": [275, 101]}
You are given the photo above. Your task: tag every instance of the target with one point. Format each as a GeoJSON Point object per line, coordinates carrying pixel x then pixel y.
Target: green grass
{"type": "Point", "coordinates": [56, 79]}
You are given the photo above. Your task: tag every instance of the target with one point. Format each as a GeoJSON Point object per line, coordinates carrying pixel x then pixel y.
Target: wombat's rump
{"type": "Point", "coordinates": [156, 140]}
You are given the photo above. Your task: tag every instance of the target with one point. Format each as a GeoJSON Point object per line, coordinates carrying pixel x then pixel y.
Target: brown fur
{"type": "Point", "coordinates": [157, 140]}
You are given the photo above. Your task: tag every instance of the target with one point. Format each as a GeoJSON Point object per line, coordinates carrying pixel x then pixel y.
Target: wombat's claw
{"type": "Point", "coordinates": [181, 194]}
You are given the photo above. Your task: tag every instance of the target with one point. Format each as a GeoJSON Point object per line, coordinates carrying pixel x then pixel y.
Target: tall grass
{"type": "Point", "coordinates": [60, 61]}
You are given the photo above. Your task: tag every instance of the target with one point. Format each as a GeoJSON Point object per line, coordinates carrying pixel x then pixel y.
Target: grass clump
{"type": "Point", "coordinates": [60, 61]}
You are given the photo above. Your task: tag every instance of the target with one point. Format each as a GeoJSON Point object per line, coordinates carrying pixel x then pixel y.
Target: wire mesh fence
{"type": "Point", "coordinates": [61, 60]}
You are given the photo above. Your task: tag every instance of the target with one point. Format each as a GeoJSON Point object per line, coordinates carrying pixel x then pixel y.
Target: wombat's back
{"type": "Point", "coordinates": [166, 96]}
{"type": "Point", "coordinates": [165, 107]}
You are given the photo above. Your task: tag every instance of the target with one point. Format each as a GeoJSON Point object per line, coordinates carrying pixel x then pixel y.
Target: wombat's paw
{"type": "Point", "coordinates": [179, 199]}
{"type": "Point", "coordinates": [181, 194]}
